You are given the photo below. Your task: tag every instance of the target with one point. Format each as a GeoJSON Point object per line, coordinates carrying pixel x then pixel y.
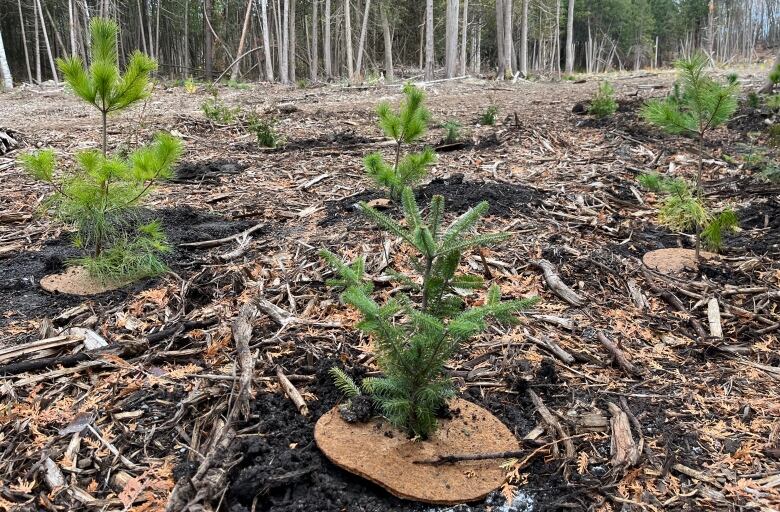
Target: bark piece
{"type": "Point", "coordinates": [242, 334]}
{"type": "Point", "coordinates": [554, 424]}
{"type": "Point", "coordinates": [292, 392]}
{"type": "Point", "coordinates": [623, 448]}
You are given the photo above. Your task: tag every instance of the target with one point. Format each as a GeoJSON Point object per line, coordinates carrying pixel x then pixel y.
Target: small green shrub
{"type": "Point", "coordinates": [682, 210]}
{"type": "Point", "coordinates": [190, 86]}
{"type": "Point", "coordinates": [405, 127]}
{"type": "Point", "coordinates": [414, 338]}
{"type": "Point", "coordinates": [488, 117]}
{"type": "Point", "coordinates": [217, 112]}
{"type": "Point", "coordinates": [235, 84]}
{"type": "Point", "coordinates": [603, 103]}
{"type": "Point", "coordinates": [302, 83]}
{"type": "Point", "coordinates": [732, 78]}
{"type": "Point", "coordinates": [451, 132]}
{"type": "Point", "coordinates": [774, 75]}
{"type": "Point", "coordinates": [753, 100]}
{"type": "Point", "coordinates": [773, 102]}
{"type": "Point", "coordinates": [774, 136]}
{"type": "Point", "coordinates": [264, 130]}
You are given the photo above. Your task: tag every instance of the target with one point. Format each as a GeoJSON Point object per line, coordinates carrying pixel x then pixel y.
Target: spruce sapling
{"type": "Point", "coordinates": [102, 85]}
{"type": "Point", "coordinates": [701, 106]}
{"type": "Point", "coordinates": [405, 127]}
{"type": "Point", "coordinates": [416, 334]}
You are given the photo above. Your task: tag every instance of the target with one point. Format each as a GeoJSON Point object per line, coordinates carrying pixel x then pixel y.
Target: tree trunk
{"type": "Point", "coordinates": [157, 32]}
{"type": "Point", "coordinates": [293, 43]}
{"type": "Point", "coordinates": [558, 36]}
{"type": "Point", "coordinates": [186, 51]}
{"type": "Point", "coordinates": [284, 70]}
{"type": "Point", "coordinates": [24, 42]}
{"type": "Point", "coordinates": [348, 40]}
{"type": "Point", "coordinates": [388, 43]}
{"type": "Point", "coordinates": [500, 39]}
{"type": "Point", "coordinates": [508, 37]}
{"type": "Point", "coordinates": [208, 43]}
{"type": "Point", "coordinates": [524, 40]}
{"type": "Point", "coordinates": [464, 37]}
{"type": "Point", "coordinates": [48, 46]}
{"type": "Point", "coordinates": [269, 65]}
{"type": "Point", "coordinates": [363, 32]}
{"type": "Point", "coordinates": [8, 82]}
{"type": "Point", "coordinates": [570, 38]}
{"type": "Point", "coordinates": [244, 30]}
{"type": "Point", "coordinates": [148, 10]}
{"type": "Point", "coordinates": [711, 32]}
{"type": "Point", "coordinates": [429, 40]}
{"type": "Point", "coordinates": [38, 72]}
{"type": "Point", "coordinates": [451, 38]}
{"type": "Point", "coordinates": [326, 48]}
{"type": "Point", "coordinates": [315, 43]}
{"type": "Point", "coordinates": [71, 30]}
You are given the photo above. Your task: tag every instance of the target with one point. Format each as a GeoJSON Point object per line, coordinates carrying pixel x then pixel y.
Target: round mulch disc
{"type": "Point", "coordinates": [385, 456]}
{"type": "Point", "coordinates": [77, 281]}
{"type": "Point", "coordinates": [674, 261]}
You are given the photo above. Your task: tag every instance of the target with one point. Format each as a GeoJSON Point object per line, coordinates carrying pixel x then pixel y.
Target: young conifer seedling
{"type": "Point", "coordinates": [405, 127]}
{"type": "Point", "coordinates": [603, 103]}
{"type": "Point", "coordinates": [416, 334]}
{"type": "Point", "coordinates": [700, 105]}
{"type": "Point", "coordinates": [100, 197]}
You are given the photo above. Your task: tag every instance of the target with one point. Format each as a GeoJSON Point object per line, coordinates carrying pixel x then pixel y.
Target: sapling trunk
{"type": "Point", "coordinates": [699, 193]}
{"type": "Point", "coordinates": [104, 115]}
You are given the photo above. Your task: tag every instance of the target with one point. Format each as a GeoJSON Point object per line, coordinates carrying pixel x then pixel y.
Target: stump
{"type": "Point", "coordinates": [386, 456]}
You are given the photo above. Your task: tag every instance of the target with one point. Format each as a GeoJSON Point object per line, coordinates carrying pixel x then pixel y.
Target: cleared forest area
{"type": "Point", "coordinates": [628, 388]}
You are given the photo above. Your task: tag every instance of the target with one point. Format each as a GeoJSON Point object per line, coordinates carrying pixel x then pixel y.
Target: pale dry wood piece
{"type": "Point", "coordinates": [554, 424]}
{"type": "Point", "coordinates": [550, 346]}
{"type": "Point", "coordinates": [205, 244]}
{"type": "Point", "coordinates": [619, 356]}
{"type": "Point", "coordinates": [556, 285]}
{"type": "Point", "coordinates": [53, 475]}
{"type": "Point", "coordinates": [636, 295]}
{"type": "Point", "coordinates": [8, 250]}
{"type": "Point", "coordinates": [592, 422]}
{"type": "Point", "coordinates": [564, 323]}
{"type": "Point", "coordinates": [57, 373]}
{"type": "Point", "coordinates": [292, 392]}
{"type": "Point", "coordinates": [127, 462]}
{"type": "Point", "coordinates": [713, 315]}
{"type": "Point", "coordinates": [284, 318]}
{"type": "Point", "coordinates": [625, 452]}
{"type": "Point", "coordinates": [9, 353]}
{"type": "Point", "coordinates": [698, 475]}
{"type": "Point", "coordinates": [242, 334]}
{"type": "Point", "coordinates": [243, 246]}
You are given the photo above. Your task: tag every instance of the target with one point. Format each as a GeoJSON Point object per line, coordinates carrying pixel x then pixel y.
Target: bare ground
{"type": "Point", "coordinates": [701, 414]}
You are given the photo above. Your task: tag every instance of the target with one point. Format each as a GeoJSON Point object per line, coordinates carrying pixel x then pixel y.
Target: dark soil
{"type": "Point", "coordinates": [19, 275]}
{"type": "Point", "coordinates": [343, 139]}
{"type": "Point", "coordinates": [208, 171]}
{"type": "Point", "coordinates": [459, 195]}
{"type": "Point", "coordinates": [748, 119]}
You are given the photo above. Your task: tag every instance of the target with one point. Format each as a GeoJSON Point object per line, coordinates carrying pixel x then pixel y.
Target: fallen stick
{"type": "Point", "coordinates": [551, 420]}
{"type": "Point", "coordinates": [10, 353]}
{"type": "Point", "coordinates": [676, 304]}
{"type": "Point", "coordinates": [242, 334]}
{"type": "Point", "coordinates": [618, 355]}
{"type": "Point", "coordinates": [552, 347]}
{"type": "Point", "coordinates": [560, 288]}
{"type": "Point", "coordinates": [219, 241]}
{"type": "Point", "coordinates": [292, 392]}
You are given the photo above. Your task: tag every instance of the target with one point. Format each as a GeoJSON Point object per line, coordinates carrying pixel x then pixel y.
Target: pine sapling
{"type": "Point", "coordinates": [101, 84]}
{"type": "Point", "coordinates": [700, 105]}
{"type": "Point", "coordinates": [404, 127]}
{"type": "Point", "coordinates": [100, 197]}
{"type": "Point", "coordinates": [416, 334]}
{"type": "Point", "coordinates": [451, 132]}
